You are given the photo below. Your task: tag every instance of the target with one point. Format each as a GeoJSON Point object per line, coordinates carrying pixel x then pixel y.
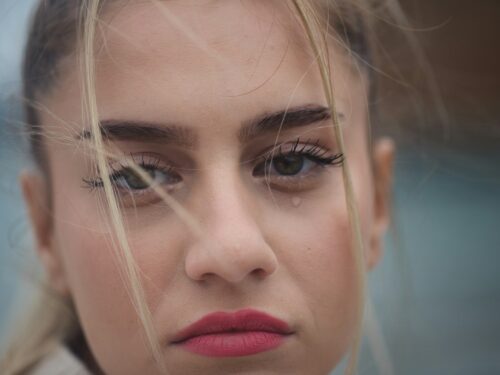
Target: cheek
{"type": "Point", "coordinates": [321, 253]}
{"type": "Point", "coordinates": [315, 251]}
{"type": "Point", "coordinates": [96, 283]}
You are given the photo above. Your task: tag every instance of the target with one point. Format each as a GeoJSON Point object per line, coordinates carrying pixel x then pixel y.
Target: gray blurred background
{"type": "Point", "coordinates": [437, 291]}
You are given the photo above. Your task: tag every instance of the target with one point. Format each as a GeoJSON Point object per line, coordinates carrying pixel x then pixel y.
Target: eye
{"type": "Point", "coordinates": [296, 159]}
{"type": "Point", "coordinates": [128, 179]}
{"type": "Point", "coordinates": [286, 165]}
{"type": "Point", "coordinates": [296, 166]}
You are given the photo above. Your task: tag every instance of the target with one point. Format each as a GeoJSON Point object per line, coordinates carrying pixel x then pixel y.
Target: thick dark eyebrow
{"type": "Point", "coordinates": [284, 120]}
{"type": "Point", "coordinates": [137, 131]}
{"type": "Point", "coordinates": [125, 130]}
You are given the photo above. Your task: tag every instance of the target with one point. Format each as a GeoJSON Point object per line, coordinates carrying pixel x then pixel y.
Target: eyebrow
{"type": "Point", "coordinates": [139, 131]}
{"type": "Point", "coordinates": [274, 122]}
{"type": "Point", "coordinates": [284, 120]}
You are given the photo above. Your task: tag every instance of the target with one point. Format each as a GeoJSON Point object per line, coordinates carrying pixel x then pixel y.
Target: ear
{"type": "Point", "coordinates": [383, 160]}
{"type": "Point", "coordinates": [36, 197]}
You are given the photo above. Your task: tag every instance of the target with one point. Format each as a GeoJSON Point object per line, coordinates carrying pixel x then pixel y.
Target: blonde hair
{"type": "Point", "coordinates": [73, 24]}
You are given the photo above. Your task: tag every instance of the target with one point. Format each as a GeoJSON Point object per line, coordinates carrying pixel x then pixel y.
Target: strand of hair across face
{"type": "Point", "coordinates": [89, 14]}
{"type": "Point", "coordinates": [311, 23]}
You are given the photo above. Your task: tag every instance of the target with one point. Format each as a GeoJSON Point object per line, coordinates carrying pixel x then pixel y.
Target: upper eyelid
{"type": "Point", "coordinates": [297, 143]}
{"type": "Point", "coordinates": [155, 159]}
{"type": "Point", "coordinates": [138, 159]}
{"type": "Point", "coordinates": [274, 151]}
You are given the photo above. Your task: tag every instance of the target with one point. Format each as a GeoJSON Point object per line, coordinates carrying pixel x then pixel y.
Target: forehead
{"type": "Point", "coordinates": [205, 36]}
{"type": "Point", "coordinates": [207, 51]}
{"type": "Point", "coordinates": [207, 64]}
{"type": "Point", "coordinates": [231, 45]}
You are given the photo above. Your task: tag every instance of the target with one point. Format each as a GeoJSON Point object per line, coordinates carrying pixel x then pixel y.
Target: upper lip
{"type": "Point", "coordinates": [242, 320]}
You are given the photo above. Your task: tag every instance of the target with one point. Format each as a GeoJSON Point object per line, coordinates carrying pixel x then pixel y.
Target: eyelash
{"type": "Point", "coordinates": [119, 172]}
{"type": "Point", "coordinates": [312, 151]}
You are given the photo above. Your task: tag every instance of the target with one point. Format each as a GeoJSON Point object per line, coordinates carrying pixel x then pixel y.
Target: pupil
{"type": "Point", "coordinates": [289, 164]}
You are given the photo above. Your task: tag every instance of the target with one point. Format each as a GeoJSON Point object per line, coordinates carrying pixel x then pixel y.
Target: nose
{"type": "Point", "coordinates": [232, 246]}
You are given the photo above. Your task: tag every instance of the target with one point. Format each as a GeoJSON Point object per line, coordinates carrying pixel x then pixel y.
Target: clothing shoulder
{"type": "Point", "coordinates": [60, 362]}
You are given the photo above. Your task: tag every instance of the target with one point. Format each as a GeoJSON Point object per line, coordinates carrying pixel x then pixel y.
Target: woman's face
{"type": "Point", "coordinates": [196, 92]}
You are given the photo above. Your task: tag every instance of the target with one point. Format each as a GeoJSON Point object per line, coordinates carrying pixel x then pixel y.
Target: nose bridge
{"type": "Point", "coordinates": [227, 202]}
{"type": "Point", "coordinates": [232, 245]}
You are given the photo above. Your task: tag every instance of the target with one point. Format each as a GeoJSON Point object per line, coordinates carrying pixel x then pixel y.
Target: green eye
{"type": "Point", "coordinates": [287, 165]}
{"type": "Point", "coordinates": [127, 182]}
{"type": "Point", "coordinates": [128, 179]}
{"type": "Point", "coordinates": [300, 161]}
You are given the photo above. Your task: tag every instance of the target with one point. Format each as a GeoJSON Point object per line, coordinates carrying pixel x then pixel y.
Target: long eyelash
{"type": "Point", "coordinates": [97, 183]}
{"type": "Point", "coordinates": [315, 151]}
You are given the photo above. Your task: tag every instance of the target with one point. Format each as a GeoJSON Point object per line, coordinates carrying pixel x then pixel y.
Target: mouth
{"type": "Point", "coordinates": [244, 332]}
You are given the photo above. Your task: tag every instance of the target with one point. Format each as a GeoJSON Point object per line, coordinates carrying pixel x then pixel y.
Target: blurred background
{"type": "Point", "coordinates": [437, 291]}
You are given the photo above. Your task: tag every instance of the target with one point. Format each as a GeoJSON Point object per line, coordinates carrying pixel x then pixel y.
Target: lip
{"type": "Point", "coordinates": [223, 334]}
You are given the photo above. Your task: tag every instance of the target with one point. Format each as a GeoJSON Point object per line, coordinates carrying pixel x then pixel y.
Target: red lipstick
{"type": "Point", "coordinates": [222, 334]}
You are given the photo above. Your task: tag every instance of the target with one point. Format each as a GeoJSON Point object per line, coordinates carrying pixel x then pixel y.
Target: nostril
{"type": "Point", "coordinates": [207, 276]}
{"type": "Point", "coordinates": [259, 272]}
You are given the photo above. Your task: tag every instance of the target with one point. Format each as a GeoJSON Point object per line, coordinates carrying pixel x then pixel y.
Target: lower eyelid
{"type": "Point", "coordinates": [294, 181]}
{"type": "Point", "coordinates": [290, 186]}
{"type": "Point", "coordinates": [143, 197]}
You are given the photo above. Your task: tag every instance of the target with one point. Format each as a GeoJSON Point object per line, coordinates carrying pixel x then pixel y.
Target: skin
{"type": "Point", "coordinates": [284, 249]}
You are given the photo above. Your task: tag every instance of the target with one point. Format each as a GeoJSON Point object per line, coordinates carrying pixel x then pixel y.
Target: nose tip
{"type": "Point", "coordinates": [233, 244]}
{"type": "Point", "coordinates": [230, 260]}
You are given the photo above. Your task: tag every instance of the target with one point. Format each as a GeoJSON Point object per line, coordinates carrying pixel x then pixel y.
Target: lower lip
{"type": "Point", "coordinates": [233, 344]}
